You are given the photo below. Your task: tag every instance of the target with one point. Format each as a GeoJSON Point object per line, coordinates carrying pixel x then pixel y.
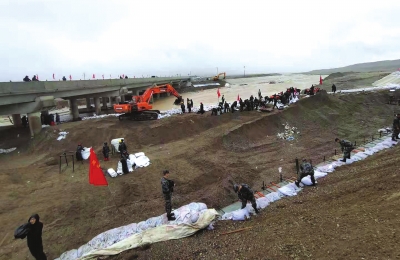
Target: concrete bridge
{"type": "Point", "coordinates": [31, 98]}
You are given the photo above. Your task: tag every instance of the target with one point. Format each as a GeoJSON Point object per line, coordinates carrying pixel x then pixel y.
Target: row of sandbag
{"type": "Point", "coordinates": [136, 160]}
{"type": "Point", "coordinates": [187, 214]}
{"type": "Point", "coordinates": [292, 190]}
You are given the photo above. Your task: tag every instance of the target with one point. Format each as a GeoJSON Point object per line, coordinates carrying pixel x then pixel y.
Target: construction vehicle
{"type": "Point", "coordinates": [216, 78]}
{"type": "Point", "coordinates": [140, 109]}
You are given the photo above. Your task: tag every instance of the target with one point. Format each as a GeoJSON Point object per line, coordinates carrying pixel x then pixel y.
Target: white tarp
{"type": "Point", "coordinates": [189, 219]}
{"type": "Point", "coordinates": [8, 150]}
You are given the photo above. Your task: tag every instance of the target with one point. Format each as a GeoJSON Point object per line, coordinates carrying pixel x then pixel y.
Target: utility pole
{"type": "Point", "coordinates": [84, 76]}
{"type": "Point", "coordinates": [244, 71]}
{"type": "Point", "coordinates": [217, 70]}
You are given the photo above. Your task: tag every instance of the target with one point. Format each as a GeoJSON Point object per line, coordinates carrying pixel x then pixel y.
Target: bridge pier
{"type": "Point", "coordinates": [73, 106]}
{"type": "Point", "coordinates": [35, 123]}
{"type": "Point", "coordinates": [97, 107]}
{"type": "Point", "coordinates": [104, 100]}
{"type": "Point", "coordinates": [88, 103]}
{"type": "Point", "coordinates": [17, 121]}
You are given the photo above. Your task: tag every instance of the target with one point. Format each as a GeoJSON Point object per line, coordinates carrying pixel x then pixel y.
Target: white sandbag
{"type": "Point", "coordinates": [72, 254]}
{"type": "Point", "coordinates": [369, 151]}
{"type": "Point", "coordinates": [306, 181]}
{"type": "Point", "coordinates": [197, 206]}
{"type": "Point", "coordinates": [119, 168]}
{"type": "Point", "coordinates": [319, 174]}
{"type": "Point", "coordinates": [326, 168]}
{"type": "Point", "coordinates": [240, 214]}
{"type": "Point", "coordinates": [151, 222]}
{"type": "Point", "coordinates": [262, 202]}
{"type": "Point", "coordinates": [227, 216]}
{"type": "Point", "coordinates": [194, 216]}
{"type": "Point", "coordinates": [112, 173]}
{"type": "Point", "coordinates": [349, 161]}
{"type": "Point", "coordinates": [139, 154]}
{"type": "Point", "coordinates": [141, 226]}
{"type": "Point", "coordinates": [273, 196]}
{"type": "Point", "coordinates": [142, 161]}
{"type": "Point", "coordinates": [289, 189]}
{"type": "Point", "coordinates": [132, 158]}
{"type": "Point", "coordinates": [128, 162]}
{"type": "Point", "coordinates": [362, 155]}
{"type": "Point", "coordinates": [115, 143]}
{"type": "Point", "coordinates": [86, 153]}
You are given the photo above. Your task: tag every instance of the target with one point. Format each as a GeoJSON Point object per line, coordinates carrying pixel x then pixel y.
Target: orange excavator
{"type": "Point", "coordinates": [216, 78]}
{"type": "Point", "coordinates": [139, 109]}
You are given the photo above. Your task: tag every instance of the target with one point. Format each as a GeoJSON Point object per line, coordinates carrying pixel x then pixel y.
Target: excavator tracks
{"type": "Point", "coordinates": [141, 116]}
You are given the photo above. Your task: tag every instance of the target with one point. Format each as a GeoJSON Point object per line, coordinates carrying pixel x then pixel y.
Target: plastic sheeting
{"type": "Point", "coordinates": [62, 135]}
{"type": "Point", "coordinates": [292, 190]}
{"type": "Point", "coordinates": [8, 150]}
{"type": "Point", "coordinates": [189, 219]}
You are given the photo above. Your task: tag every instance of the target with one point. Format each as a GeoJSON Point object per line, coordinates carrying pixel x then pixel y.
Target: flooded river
{"type": "Point", "coordinates": [244, 87]}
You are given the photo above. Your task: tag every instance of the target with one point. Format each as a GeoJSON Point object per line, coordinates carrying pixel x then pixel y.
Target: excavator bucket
{"type": "Point", "coordinates": [178, 101]}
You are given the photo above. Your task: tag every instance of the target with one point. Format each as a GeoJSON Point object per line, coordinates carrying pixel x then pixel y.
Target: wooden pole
{"type": "Point", "coordinates": [238, 230]}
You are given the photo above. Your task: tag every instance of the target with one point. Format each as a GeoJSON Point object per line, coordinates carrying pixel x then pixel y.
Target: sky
{"type": "Point", "coordinates": [164, 38]}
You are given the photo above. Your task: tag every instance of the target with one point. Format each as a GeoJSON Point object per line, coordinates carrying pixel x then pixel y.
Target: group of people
{"type": "Point", "coordinates": [27, 79]}
{"type": "Point", "coordinates": [50, 119]}
{"type": "Point", "coordinates": [189, 105]}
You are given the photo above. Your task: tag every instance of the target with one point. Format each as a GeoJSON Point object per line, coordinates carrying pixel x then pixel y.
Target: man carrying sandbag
{"type": "Point", "coordinates": [245, 193]}
{"type": "Point", "coordinates": [167, 186]}
{"type": "Point", "coordinates": [122, 147]}
{"type": "Point", "coordinates": [346, 147]}
{"type": "Point", "coordinates": [305, 170]}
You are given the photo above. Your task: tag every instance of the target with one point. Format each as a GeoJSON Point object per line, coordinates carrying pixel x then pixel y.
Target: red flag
{"type": "Point", "coordinates": [218, 93]}
{"type": "Point", "coordinates": [320, 80]}
{"type": "Point", "coordinates": [70, 77]}
{"type": "Point", "coordinates": [238, 98]}
{"type": "Point", "coordinates": [123, 75]}
{"type": "Point", "coordinates": [94, 76]}
{"type": "Point", "coordinates": [96, 175]}
{"type": "Point", "coordinates": [53, 76]}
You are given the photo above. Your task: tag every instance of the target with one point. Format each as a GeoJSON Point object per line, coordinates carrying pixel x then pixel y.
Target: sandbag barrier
{"type": "Point", "coordinates": [287, 187]}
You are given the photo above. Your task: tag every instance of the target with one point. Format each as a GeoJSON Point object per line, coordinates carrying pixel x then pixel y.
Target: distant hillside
{"type": "Point", "coordinates": [386, 65]}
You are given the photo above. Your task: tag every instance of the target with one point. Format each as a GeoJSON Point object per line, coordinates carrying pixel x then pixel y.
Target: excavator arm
{"type": "Point", "coordinates": [167, 88]}
{"type": "Point", "coordinates": [217, 77]}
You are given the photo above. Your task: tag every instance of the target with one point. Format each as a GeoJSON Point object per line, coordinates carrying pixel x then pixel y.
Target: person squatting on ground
{"type": "Point", "coordinates": [34, 238]}
{"type": "Point", "coordinates": [396, 128]}
{"type": "Point", "coordinates": [245, 193]}
{"type": "Point", "coordinates": [346, 147]}
{"type": "Point", "coordinates": [78, 153]}
{"type": "Point", "coordinates": [233, 106]}
{"type": "Point", "coordinates": [305, 170]}
{"type": "Point", "coordinates": [167, 186]}
{"type": "Point", "coordinates": [122, 147]}
{"type": "Point", "coordinates": [201, 110]}
{"type": "Point", "coordinates": [106, 152]}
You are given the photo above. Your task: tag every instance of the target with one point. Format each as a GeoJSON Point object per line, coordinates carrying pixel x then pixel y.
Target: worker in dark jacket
{"type": "Point", "coordinates": [334, 88]}
{"type": "Point", "coordinates": [346, 147]}
{"type": "Point", "coordinates": [396, 128]}
{"type": "Point", "coordinates": [124, 162]}
{"type": "Point", "coordinates": [122, 147]}
{"type": "Point", "coordinates": [233, 106]}
{"type": "Point", "coordinates": [79, 150]}
{"type": "Point", "coordinates": [201, 110]}
{"type": "Point", "coordinates": [167, 186]}
{"type": "Point", "coordinates": [106, 151]}
{"type": "Point", "coordinates": [34, 238]}
{"type": "Point", "coordinates": [245, 193]}
{"type": "Point", "coordinates": [305, 170]}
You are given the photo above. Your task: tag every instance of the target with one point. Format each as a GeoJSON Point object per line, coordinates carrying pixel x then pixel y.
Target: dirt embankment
{"type": "Point", "coordinates": [351, 80]}
{"type": "Point", "coordinates": [204, 153]}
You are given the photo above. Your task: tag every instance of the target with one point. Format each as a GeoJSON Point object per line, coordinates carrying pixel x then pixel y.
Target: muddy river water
{"type": "Point", "coordinates": [244, 87]}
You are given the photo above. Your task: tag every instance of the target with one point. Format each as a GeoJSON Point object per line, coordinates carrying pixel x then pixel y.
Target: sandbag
{"type": "Point", "coordinates": [240, 214]}
{"type": "Point", "coordinates": [289, 189]}
{"type": "Point", "coordinates": [86, 153]}
{"type": "Point", "coordinates": [112, 173]}
{"type": "Point", "coordinates": [119, 168]}
{"type": "Point", "coordinates": [139, 154]}
{"type": "Point", "coordinates": [115, 143]}
{"type": "Point", "coordinates": [262, 202]}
